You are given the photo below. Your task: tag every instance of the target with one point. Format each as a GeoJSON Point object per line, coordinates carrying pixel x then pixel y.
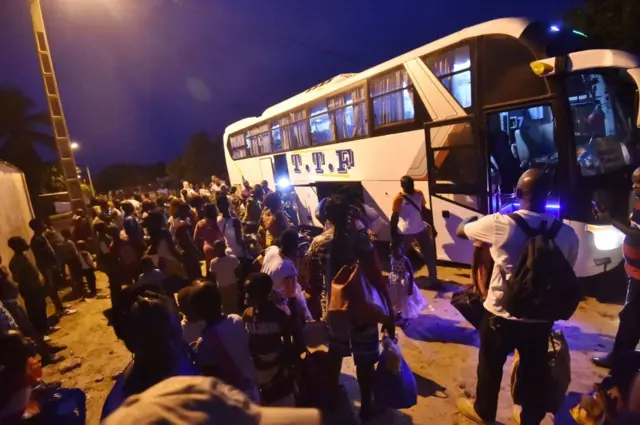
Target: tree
{"type": "Point", "coordinates": [200, 161]}
{"type": "Point", "coordinates": [610, 24]}
{"type": "Point", "coordinates": [21, 130]}
{"type": "Point", "coordinates": [123, 175]}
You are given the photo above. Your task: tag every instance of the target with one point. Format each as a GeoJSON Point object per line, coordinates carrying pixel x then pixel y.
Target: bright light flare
{"type": "Point", "coordinates": [75, 146]}
{"type": "Point", "coordinates": [283, 183]}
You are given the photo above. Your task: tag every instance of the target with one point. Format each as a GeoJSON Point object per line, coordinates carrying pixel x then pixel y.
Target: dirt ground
{"type": "Point", "coordinates": [440, 347]}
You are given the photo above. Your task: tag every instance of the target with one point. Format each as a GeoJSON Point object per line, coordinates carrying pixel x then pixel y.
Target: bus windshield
{"type": "Point", "coordinates": [602, 107]}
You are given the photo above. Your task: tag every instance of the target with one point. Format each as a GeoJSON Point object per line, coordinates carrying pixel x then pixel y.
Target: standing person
{"type": "Point", "coordinates": [9, 293]}
{"type": "Point", "coordinates": [279, 264]}
{"type": "Point", "coordinates": [25, 273]}
{"type": "Point", "coordinates": [481, 268]}
{"type": "Point", "coordinates": [71, 259]}
{"type": "Point", "coordinates": [207, 233]}
{"type": "Point", "coordinates": [501, 333]}
{"type": "Point", "coordinates": [82, 226]}
{"type": "Point", "coordinates": [223, 347]}
{"type": "Point", "coordinates": [151, 277]}
{"type": "Point", "coordinates": [224, 271]}
{"type": "Point", "coordinates": [410, 213]}
{"type": "Point", "coordinates": [149, 326]}
{"type": "Point", "coordinates": [88, 267]}
{"type": "Point", "coordinates": [274, 219]}
{"type": "Point", "coordinates": [191, 254]}
{"type": "Point", "coordinates": [329, 252]}
{"type": "Point", "coordinates": [265, 188]}
{"type": "Point", "coordinates": [162, 249]}
{"type": "Point", "coordinates": [231, 229]}
{"type": "Point", "coordinates": [117, 214]}
{"type": "Point", "coordinates": [246, 192]}
{"type": "Point", "coordinates": [47, 263]}
{"type": "Point", "coordinates": [192, 325]}
{"type": "Point", "coordinates": [216, 183]}
{"type": "Point", "coordinates": [406, 298]}
{"type": "Point", "coordinates": [628, 335]}
{"type": "Point", "coordinates": [133, 229]}
{"type": "Point", "coordinates": [274, 350]}
{"type": "Point", "coordinates": [253, 209]}
{"type": "Point", "coordinates": [237, 207]}
{"type": "Point", "coordinates": [109, 262]}
{"type": "Point", "coordinates": [126, 253]}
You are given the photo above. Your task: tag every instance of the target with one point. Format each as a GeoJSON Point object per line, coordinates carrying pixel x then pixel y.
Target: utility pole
{"type": "Point", "coordinates": [63, 142]}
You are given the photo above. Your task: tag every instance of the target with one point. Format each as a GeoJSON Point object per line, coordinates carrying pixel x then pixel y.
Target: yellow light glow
{"type": "Point", "coordinates": [541, 68]}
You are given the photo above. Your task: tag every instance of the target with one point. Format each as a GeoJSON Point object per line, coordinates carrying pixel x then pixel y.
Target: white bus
{"type": "Point", "coordinates": [464, 116]}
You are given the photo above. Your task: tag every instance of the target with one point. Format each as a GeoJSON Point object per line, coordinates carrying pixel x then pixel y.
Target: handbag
{"type": "Point", "coordinates": [355, 298]}
{"type": "Point", "coordinates": [394, 386]}
{"type": "Point", "coordinates": [559, 361]}
{"type": "Point", "coordinates": [469, 303]}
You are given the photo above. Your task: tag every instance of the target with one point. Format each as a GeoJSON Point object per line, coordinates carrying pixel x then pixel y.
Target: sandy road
{"type": "Point", "coordinates": [440, 347]}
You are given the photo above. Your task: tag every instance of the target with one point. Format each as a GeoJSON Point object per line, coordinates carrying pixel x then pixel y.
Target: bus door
{"type": "Point", "coordinates": [519, 138]}
{"type": "Point", "coordinates": [266, 168]}
{"type": "Point", "coordinates": [457, 183]}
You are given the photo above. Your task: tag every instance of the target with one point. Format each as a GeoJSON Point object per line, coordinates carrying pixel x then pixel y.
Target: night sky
{"type": "Point", "coordinates": [138, 77]}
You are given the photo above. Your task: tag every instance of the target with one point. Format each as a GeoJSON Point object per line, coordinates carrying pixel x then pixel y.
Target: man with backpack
{"type": "Point", "coordinates": [411, 220]}
{"type": "Point", "coordinates": [532, 285]}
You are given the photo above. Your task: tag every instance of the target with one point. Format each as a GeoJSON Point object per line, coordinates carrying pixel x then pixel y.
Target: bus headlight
{"type": "Point", "coordinates": [606, 238]}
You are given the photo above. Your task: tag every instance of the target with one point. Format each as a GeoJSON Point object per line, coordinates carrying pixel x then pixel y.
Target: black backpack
{"type": "Point", "coordinates": [543, 285]}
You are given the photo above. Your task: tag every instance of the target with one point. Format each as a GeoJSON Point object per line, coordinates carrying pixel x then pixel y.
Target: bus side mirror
{"type": "Point", "coordinates": [635, 74]}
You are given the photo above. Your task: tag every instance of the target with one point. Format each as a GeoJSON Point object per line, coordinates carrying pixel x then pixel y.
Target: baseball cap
{"type": "Point", "coordinates": [198, 400]}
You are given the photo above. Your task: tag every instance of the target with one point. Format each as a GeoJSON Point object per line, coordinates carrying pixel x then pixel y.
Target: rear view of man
{"type": "Point", "coordinates": [408, 219]}
{"type": "Point", "coordinates": [502, 333]}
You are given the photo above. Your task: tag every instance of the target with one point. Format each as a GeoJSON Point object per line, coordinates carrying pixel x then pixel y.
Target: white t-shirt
{"type": "Point", "coordinates": [278, 268]}
{"type": "Point", "coordinates": [507, 243]}
{"type": "Point", "coordinates": [118, 218]}
{"type": "Point", "coordinates": [228, 230]}
{"type": "Point", "coordinates": [410, 220]}
{"type": "Point", "coordinates": [225, 270]}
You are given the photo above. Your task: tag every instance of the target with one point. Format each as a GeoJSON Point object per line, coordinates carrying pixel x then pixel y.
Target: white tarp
{"type": "Point", "coordinates": [15, 208]}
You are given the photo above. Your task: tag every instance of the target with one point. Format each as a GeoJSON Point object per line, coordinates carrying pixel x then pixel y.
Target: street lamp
{"type": "Point", "coordinates": [63, 142]}
{"type": "Point", "coordinates": [74, 146]}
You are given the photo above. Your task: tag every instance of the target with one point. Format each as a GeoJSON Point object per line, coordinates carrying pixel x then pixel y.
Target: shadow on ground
{"type": "Point", "coordinates": [583, 341]}
{"type": "Point", "coordinates": [428, 388]}
{"type": "Point", "coordinates": [431, 328]}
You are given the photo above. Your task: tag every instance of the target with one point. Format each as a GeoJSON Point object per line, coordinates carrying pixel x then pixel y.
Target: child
{"type": "Point", "coordinates": [192, 325]}
{"type": "Point", "coordinates": [88, 267]}
{"type": "Point", "coordinates": [406, 298]}
{"type": "Point", "coordinates": [274, 341]}
{"type": "Point", "coordinates": [151, 277]}
{"type": "Point", "coordinates": [223, 347]}
{"type": "Point", "coordinates": [71, 258]}
{"type": "Point", "coordinates": [223, 270]}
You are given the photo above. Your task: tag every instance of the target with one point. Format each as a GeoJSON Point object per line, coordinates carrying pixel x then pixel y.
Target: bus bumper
{"type": "Point", "coordinates": [600, 249]}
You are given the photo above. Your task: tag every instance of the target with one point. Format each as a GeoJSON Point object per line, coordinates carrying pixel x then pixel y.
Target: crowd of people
{"type": "Point", "coordinates": [228, 337]}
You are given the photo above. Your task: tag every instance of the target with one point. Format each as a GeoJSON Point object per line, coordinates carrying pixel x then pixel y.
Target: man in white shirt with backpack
{"type": "Point", "coordinates": [534, 253]}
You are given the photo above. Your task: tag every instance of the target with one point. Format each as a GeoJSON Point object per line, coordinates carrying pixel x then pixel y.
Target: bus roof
{"type": "Point", "coordinates": [507, 26]}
